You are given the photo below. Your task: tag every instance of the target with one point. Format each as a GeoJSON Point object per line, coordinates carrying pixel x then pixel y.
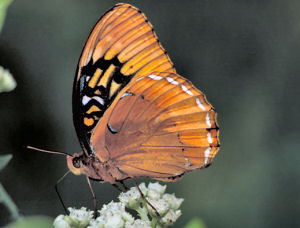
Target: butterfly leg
{"type": "Point", "coordinates": [94, 197]}
{"type": "Point", "coordinates": [57, 192]}
{"type": "Point", "coordinates": [124, 185]}
{"type": "Point", "coordinates": [118, 187]}
{"type": "Point", "coordinates": [142, 195]}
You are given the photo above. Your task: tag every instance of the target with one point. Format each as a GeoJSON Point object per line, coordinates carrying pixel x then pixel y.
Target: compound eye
{"type": "Point", "coordinates": [76, 162]}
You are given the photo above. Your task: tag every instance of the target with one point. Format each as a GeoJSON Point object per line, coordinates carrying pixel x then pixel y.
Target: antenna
{"type": "Point", "coordinates": [48, 151]}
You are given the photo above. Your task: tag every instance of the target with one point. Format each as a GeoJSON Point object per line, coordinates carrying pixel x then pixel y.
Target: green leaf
{"type": "Point", "coordinates": [4, 159]}
{"type": "Point", "coordinates": [195, 223]}
{"type": "Point", "coordinates": [3, 6]}
{"type": "Point", "coordinates": [7, 201]}
{"type": "Point", "coordinates": [32, 222]}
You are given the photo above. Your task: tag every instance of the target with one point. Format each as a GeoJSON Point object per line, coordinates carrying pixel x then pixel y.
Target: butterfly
{"type": "Point", "coordinates": [133, 114]}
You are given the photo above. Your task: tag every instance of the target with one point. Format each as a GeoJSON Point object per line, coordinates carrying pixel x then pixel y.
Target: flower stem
{"type": "Point", "coordinates": [143, 213]}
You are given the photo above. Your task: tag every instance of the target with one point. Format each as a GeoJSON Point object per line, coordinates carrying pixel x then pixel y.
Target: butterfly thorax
{"type": "Point", "coordinates": [92, 167]}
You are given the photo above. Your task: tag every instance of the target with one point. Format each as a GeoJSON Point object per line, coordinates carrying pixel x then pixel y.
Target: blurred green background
{"type": "Point", "coordinates": [244, 55]}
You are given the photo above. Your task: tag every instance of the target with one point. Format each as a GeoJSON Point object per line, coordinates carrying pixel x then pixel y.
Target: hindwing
{"type": "Point", "coordinates": [159, 126]}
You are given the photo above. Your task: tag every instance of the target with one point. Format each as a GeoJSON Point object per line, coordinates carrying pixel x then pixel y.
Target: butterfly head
{"type": "Point", "coordinates": [79, 164]}
{"type": "Point", "coordinates": [75, 163]}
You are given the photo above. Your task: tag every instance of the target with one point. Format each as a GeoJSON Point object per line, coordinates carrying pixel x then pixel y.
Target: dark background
{"type": "Point", "coordinates": [244, 55]}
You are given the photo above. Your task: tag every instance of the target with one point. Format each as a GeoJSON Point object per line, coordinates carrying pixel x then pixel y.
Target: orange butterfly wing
{"type": "Point", "coordinates": [159, 126]}
{"type": "Point", "coordinates": [121, 47]}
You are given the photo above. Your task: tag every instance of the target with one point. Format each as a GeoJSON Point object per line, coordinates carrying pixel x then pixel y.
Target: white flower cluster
{"type": "Point", "coordinates": [76, 218]}
{"type": "Point", "coordinates": [114, 215]}
{"type": "Point", "coordinates": [166, 204]}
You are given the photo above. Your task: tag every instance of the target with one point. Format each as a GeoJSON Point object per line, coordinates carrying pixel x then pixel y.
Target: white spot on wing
{"type": "Point", "coordinates": [99, 99]}
{"type": "Point", "coordinates": [85, 99]}
{"type": "Point", "coordinates": [93, 151]}
{"type": "Point", "coordinates": [187, 164]}
{"type": "Point", "coordinates": [208, 120]}
{"type": "Point", "coordinates": [186, 90]}
{"type": "Point", "coordinates": [87, 78]}
{"type": "Point", "coordinates": [155, 77]}
{"type": "Point", "coordinates": [209, 137]}
{"type": "Point", "coordinates": [126, 94]}
{"type": "Point", "coordinates": [172, 81]}
{"type": "Point", "coordinates": [200, 104]}
{"type": "Point", "coordinates": [206, 154]}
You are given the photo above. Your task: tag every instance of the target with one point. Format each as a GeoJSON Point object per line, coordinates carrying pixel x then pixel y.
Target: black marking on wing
{"type": "Point", "coordinates": [206, 166]}
{"type": "Point", "coordinates": [101, 63]}
{"type": "Point", "coordinates": [82, 89]}
{"type": "Point", "coordinates": [113, 131]}
{"type": "Point", "coordinates": [175, 177]}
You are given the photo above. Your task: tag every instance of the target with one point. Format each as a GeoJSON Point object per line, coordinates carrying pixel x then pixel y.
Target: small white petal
{"type": "Point", "coordinates": [153, 194]}
{"type": "Point", "coordinates": [112, 208]}
{"type": "Point", "coordinates": [81, 216]}
{"type": "Point", "coordinates": [139, 224]}
{"type": "Point", "coordinates": [171, 217]}
{"type": "Point", "coordinates": [127, 217]}
{"type": "Point", "coordinates": [98, 223]}
{"type": "Point", "coordinates": [59, 222]}
{"type": "Point", "coordinates": [131, 198]}
{"type": "Point", "coordinates": [157, 187]}
{"type": "Point", "coordinates": [95, 224]}
{"type": "Point", "coordinates": [173, 202]}
{"type": "Point", "coordinates": [143, 188]}
{"type": "Point", "coordinates": [160, 205]}
{"type": "Point", "coordinates": [114, 222]}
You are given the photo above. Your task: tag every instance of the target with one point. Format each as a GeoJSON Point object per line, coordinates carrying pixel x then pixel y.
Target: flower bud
{"type": "Point", "coordinates": [139, 224]}
{"type": "Point", "coordinates": [131, 198]}
{"type": "Point", "coordinates": [59, 222]}
{"type": "Point", "coordinates": [160, 205]}
{"type": "Point", "coordinates": [171, 217]}
{"type": "Point", "coordinates": [173, 202]}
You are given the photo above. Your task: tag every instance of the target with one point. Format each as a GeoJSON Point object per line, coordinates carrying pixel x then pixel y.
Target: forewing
{"type": "Point", "coordinates": [121, 47]}
{"type": "Point", "coordinates": [159, 126]}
